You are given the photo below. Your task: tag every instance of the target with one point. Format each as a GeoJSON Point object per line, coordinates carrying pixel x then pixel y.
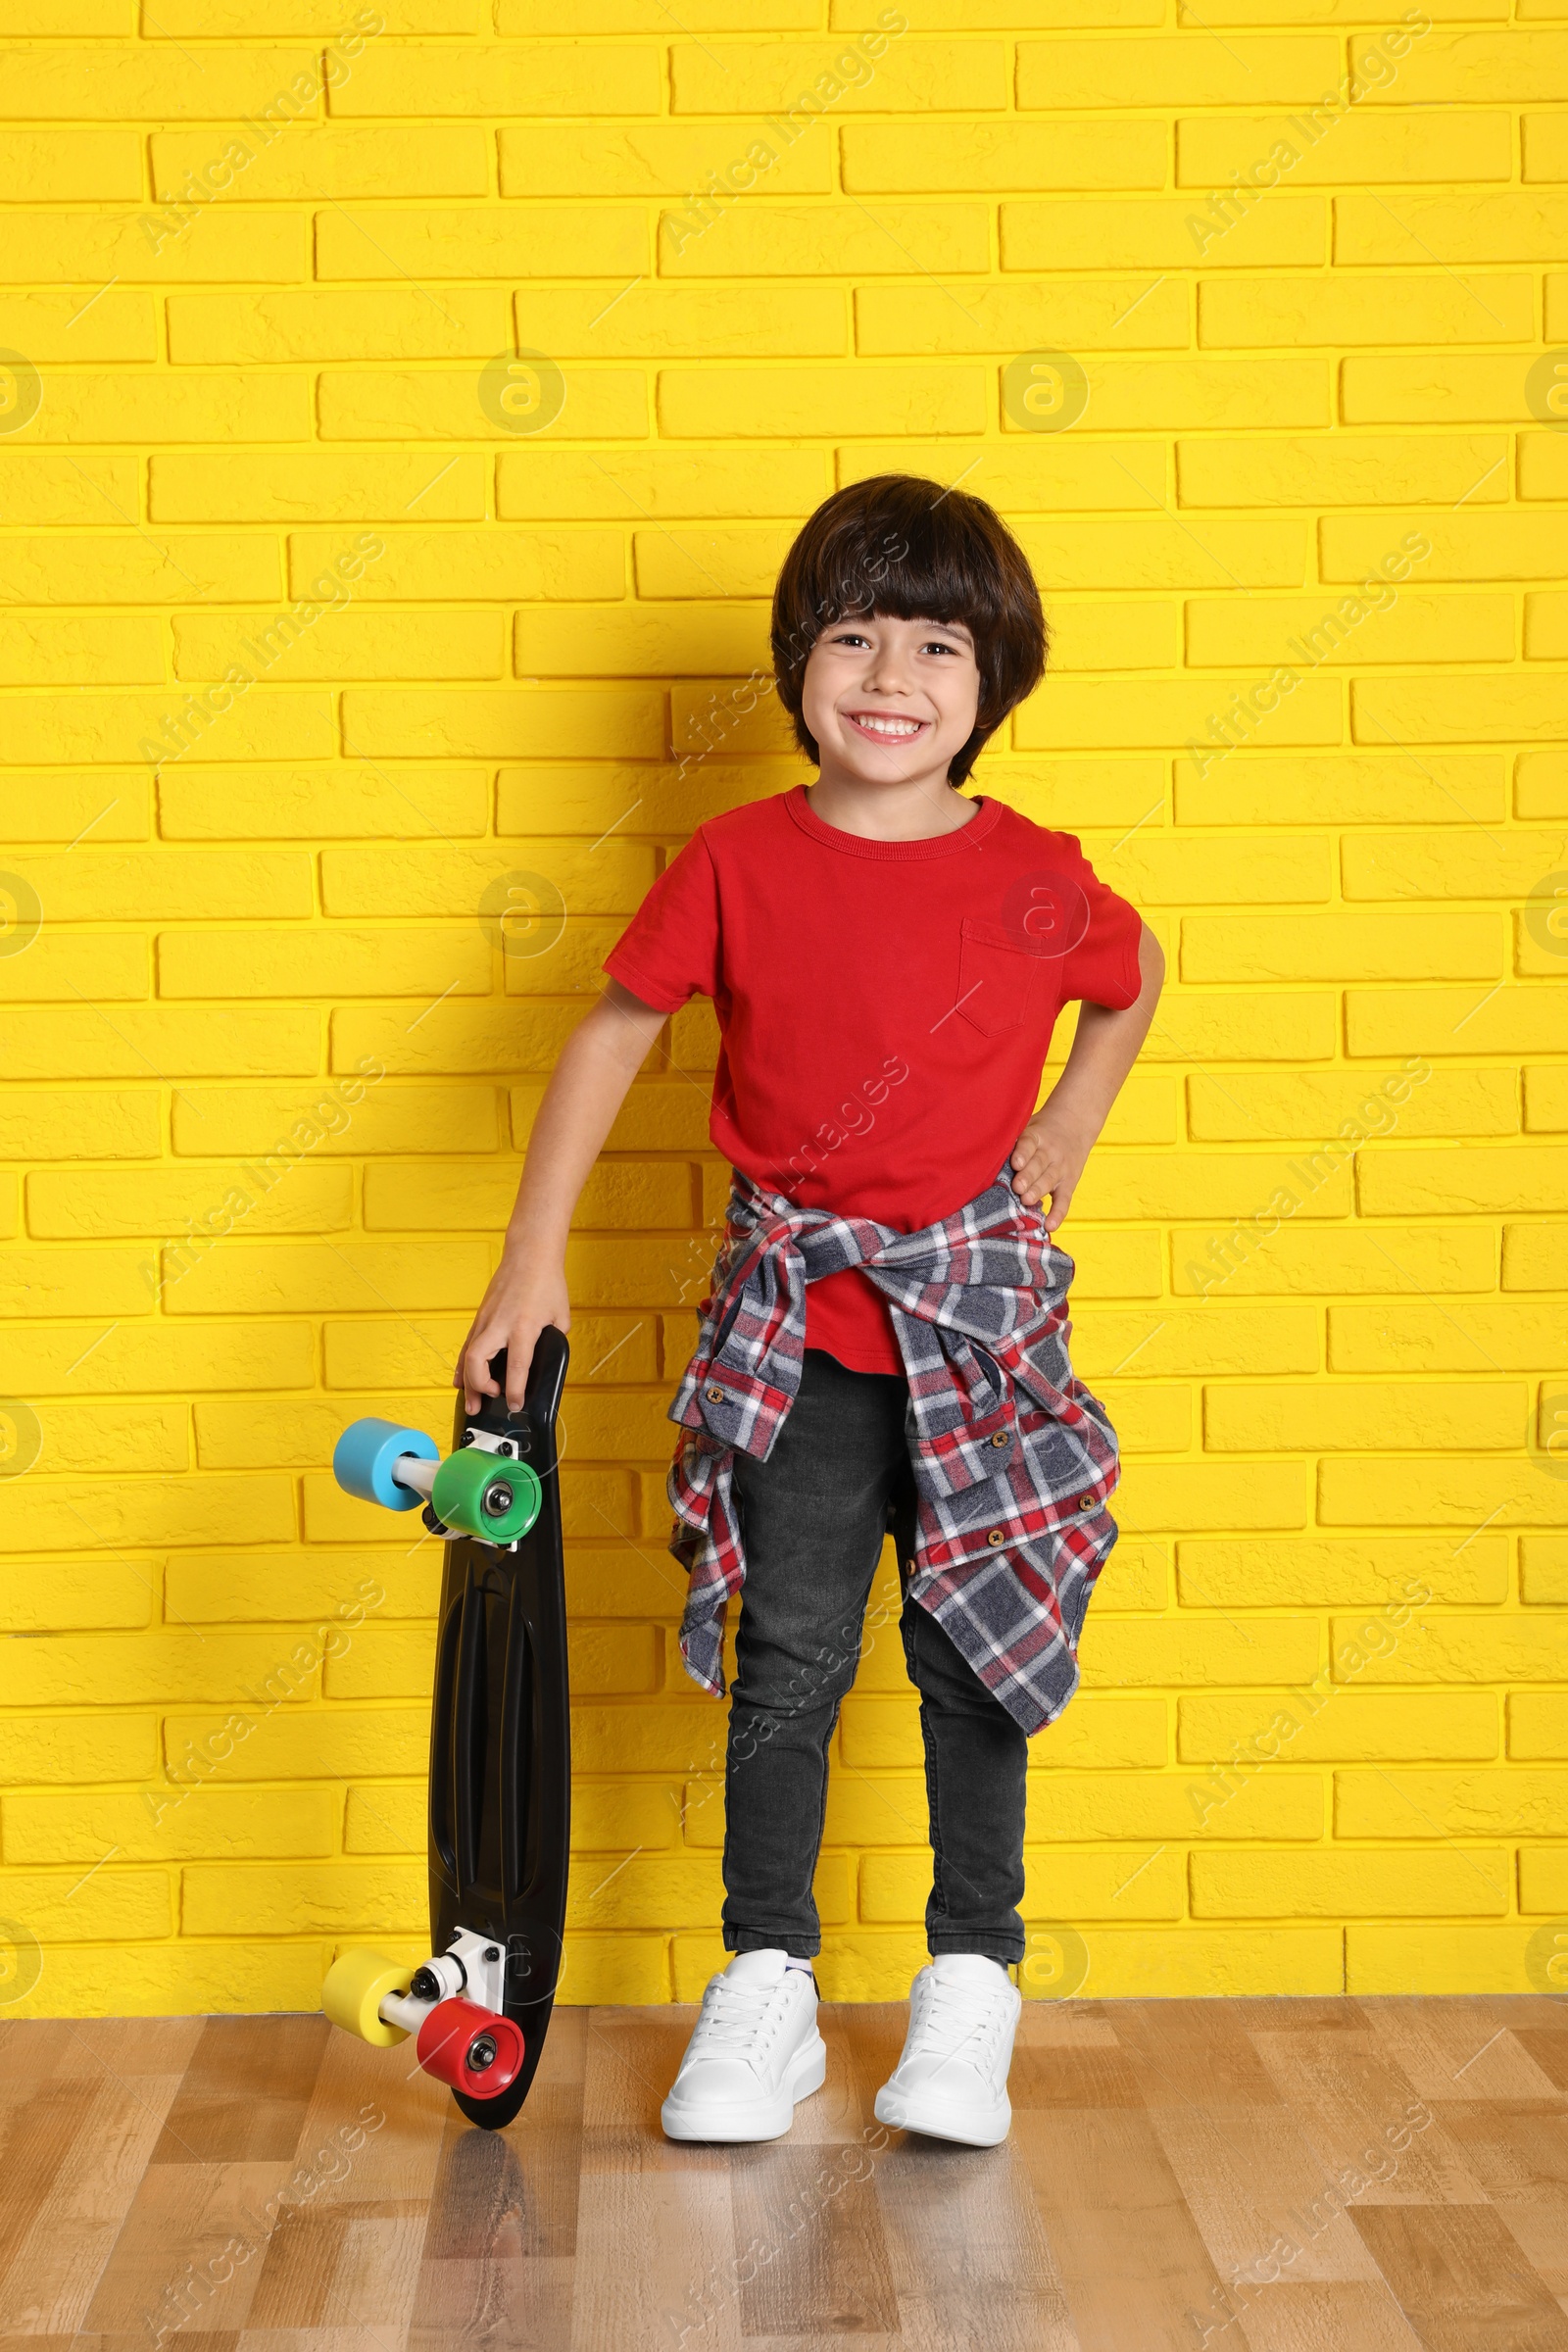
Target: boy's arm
{"type": "Point", "coordinates": [1050, 1153]}
{"type": "Point", "coordinates": [528, 1289]}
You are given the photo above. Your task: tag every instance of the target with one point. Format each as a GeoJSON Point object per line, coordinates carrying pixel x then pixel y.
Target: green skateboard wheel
{"type": "Point", "coordinates": [486, 1495]}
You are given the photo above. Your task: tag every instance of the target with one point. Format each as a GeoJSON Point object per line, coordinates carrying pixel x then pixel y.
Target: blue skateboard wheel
{"type": "Point", "coordinates": [363, 1459]}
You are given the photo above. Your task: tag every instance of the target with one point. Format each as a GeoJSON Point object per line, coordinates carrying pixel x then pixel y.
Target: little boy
{"type": "Point", "coordinates": [885, 1344]}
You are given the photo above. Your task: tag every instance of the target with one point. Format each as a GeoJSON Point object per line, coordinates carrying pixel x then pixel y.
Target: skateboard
{"type": "Point", "coordinates": [499, 1810]}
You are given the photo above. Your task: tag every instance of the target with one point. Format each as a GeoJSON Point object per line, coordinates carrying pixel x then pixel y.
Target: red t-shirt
{"type": "Point", "coordinates": [885, 1008]}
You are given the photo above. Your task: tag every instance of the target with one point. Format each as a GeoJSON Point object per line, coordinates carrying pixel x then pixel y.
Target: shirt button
{"type": "Point", "coordinates": [1086, 1502]}
{"type": "Point", "coordinates": [1000, 1437]}
{"type": "Point", "coordinates": [714, 1395]}
{"type": "Point", "coordinates": [996, 1536]}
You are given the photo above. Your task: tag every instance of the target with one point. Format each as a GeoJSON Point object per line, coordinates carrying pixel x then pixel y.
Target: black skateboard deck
{"type": "Point", "coordinates": [500, 1819]}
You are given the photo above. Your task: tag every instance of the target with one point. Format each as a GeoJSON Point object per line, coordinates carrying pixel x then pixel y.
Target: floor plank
{"type": "Point", "coordinates": [50, 2283]}
{"type": "Point", "coordinates": [245, 2090]}
{"type": "Point", "coordinates": [1362, 2114]}
{"type": "Point", "coordinates": [1462, 2280]}
{"type": "Point", "coordinates": [1326, 2316]}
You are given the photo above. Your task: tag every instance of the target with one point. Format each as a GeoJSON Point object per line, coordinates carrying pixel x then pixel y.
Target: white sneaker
{"type": "Point", "coordinates": [952, 2079]}
{"type": "Point", "coordinates": [754, 2052]}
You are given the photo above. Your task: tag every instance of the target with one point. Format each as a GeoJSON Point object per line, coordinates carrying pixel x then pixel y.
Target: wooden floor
{"type": "Point", "coordinates": [1260, 2175]}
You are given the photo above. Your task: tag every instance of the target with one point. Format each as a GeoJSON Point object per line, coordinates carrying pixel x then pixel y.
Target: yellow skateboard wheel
{"type": "Point", "coordinates": [353, 1991]}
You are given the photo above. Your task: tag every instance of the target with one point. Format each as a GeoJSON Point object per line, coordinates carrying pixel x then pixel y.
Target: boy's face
{"type": "Point", "coordinates": [891, 702]}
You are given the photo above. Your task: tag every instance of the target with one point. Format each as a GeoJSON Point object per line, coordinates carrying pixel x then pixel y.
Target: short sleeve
{"type": "Point", "coordinates": [1102, 965]}
{"type": "Point", "coordinates": [670, 951]}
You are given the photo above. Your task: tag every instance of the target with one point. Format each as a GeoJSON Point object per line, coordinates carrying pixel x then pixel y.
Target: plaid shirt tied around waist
{"type": "Point", "coordinates": [1014, 1459]}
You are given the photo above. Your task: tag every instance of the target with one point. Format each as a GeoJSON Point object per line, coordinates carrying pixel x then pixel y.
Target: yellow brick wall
{"type": "Point", "coordinates": [270, 260]}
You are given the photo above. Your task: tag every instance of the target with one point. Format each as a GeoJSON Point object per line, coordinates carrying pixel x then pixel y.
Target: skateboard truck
{"type": "Point", "coordinates": [500, 1785]}
{"type": "Point", "coordinates": [484, 1490]}
{"type": "Point", "coordinates": [451, 2004]}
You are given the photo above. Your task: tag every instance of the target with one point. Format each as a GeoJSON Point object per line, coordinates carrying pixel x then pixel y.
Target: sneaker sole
{"type": "Point", "coordinates": [762, 2118]}
{"type": "Point", "coordinates": [970, 2128]}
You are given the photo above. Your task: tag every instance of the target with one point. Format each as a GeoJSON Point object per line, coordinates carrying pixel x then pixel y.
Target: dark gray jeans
{"type": "Point", "coordinates": [812, 1518]}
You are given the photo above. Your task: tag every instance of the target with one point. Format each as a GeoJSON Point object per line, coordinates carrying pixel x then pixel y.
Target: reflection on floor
{"type": "Point", "coordinates": [1259, 2176]}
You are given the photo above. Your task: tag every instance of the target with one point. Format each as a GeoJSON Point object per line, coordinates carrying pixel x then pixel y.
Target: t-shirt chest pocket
{"type": "Point", "coordinates": [999, 981]}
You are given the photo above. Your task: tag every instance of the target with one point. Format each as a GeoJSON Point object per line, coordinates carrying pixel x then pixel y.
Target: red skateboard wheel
{"type": "Point", "coordinates": [469, 2048]}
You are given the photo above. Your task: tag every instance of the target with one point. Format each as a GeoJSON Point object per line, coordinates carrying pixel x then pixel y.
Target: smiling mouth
{"type": "Point", "coordinates": [883, 727]}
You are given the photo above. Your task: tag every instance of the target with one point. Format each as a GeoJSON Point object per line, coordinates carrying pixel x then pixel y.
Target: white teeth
{"type": "Point", "coordinates": [887, 726]}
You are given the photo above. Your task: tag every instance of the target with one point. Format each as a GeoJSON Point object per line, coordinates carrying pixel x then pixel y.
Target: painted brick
{"type": "Point", "coordinates": [1466, 1490]}
{"type": "Point", "coordinates": [1348, 632]}
{"type": "Point", "coordinates": [112, 568]}
{"type": "Point", "coordinates": [1245, 1109]}
{"type": "Point", "coordinates": [1317, 1571]}
{"type": "Point", "coordinates": [358, 645]}
{"type": "Point", "coordinates": [121, 1905]}
{"type": "Point", "coordinates": [335, 161]}
{"type": "Point", "coordinates": [72, 1123]}
{"type": "Point", "coordinates": [459, 241]}
{"type": "Point", "coordinates": [1482, 227]}
{"type": "Point", "coordinates": [1358, 1726]}
{"type": "Point", "coordinates": [1470, 1882]}
{"type": "Point", "coordinates": [1164, 70]}
{"type": "Point", "coordinates": [1362, 1417]}
{"type": "Point", "coordinates": [1507, 66]}
{"type": "Point", "coordinates": [113, 405]}
{"type": "Point", "coordinates": [1450, 1020]}
{"type": "Point", "coordinates": [120, 325]}
{"type": "Point", "coordinates": [1458, 390]}
{"type": "Point", "coordinates": [1118, 1654]}
{"type": "Point", "coordinates": [820, 399]}
{"type": "Point", "coordinates": [1537, 1726]}
{"type": "Point", "coordinates": [1245, 1260]}
{"type": "Point", "coordinates": [908, 77]}
{"type": "Point", "coordinates": [1437, 1182]}
{"type": "Point", "coordinates": [1363, 149]}
{"type": "Point", "coordinates": [656, 159]}
{"type": "Point", "coordinates": [1320, 947]}
{"type": "Point", "coordinates": [1546, 157]}
{"type": "Point", "coordinates": [407, 405]}
{"type": "Point", "coordinates": [1543, 458]}
{"type": "Point", "coordinates": [786, 240]}
{"type": "Point", "coordinates": [1349, 789]}
{"type": "Point", "coordinates": [657, 483]}
{"type": "Point", "coordinates": [888, 159]}
{"type": "Point", "coordinates": [202, 486]}
{"type": "Point", "coordinates": [77, 1750]}
{"type": "Point", "coordinates": [307, 803]}
{"type": "Point", "coordinates": [88, 164]}
{"type": "Point", "coordinates": [1348, 469]}
{"type": "Point", "coordinates": [46, 490]}
{"type": "Point", "coordinates": [1057, 472]}
{"type": "Point", "coordinates": [1447, 1804]}
{"type": "Point", "coordinates": [1158, 553]}
{"type": "Point", "coordinates": [157, 1357]}
{"type": "Point", "coordinates": [206, 329]}
{"type": "Point", "coordinates": [411, 77]}
{"type": "Point", "coordinates": [218, 247]}
{"type": "Point", "coordinates": [1154, 232]}
{"type": "Point", "coordinates": [180, 1823]}
{"type": "Point", "coordinates": [197, 1044]}
{"type": "Point", "coordinates": [128, 80]}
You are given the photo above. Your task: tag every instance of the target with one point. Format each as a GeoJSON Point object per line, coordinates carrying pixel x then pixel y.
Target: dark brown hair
{"type": "Point", "coordinates": [913, 551]}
